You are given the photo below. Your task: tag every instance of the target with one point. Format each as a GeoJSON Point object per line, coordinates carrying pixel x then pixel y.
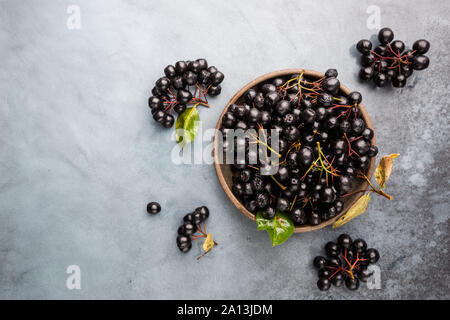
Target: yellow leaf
{"type": "Point", "coordinates": [209, 243]}
{"type": "Point", "coordinates": [358, 208]}
{"type": "Point", "coordinates": [384, 169]}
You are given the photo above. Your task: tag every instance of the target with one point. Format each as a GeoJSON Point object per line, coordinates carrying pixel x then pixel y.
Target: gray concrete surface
{"type": "Point", "coordinates": [81, 157]}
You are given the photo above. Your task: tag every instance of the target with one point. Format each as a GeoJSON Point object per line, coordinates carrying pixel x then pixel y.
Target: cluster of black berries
{"type": "Point", "coordinates": [323, 145]}
{"type": "Point", "coordinates": [347, 261]}
{"type": "Point", "coordinates": [191, 224]}
{"type": "Point", "coordinates": [174, 90]}
{"type": "Point", "coordinates": [389, 62]}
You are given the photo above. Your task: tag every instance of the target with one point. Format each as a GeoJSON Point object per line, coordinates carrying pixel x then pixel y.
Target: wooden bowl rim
{"type": "Point", "coordinates": [255, 82]}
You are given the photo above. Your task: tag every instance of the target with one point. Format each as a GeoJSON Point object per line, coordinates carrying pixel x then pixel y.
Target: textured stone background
{"type": "Point", "coordinates": [81, 156]}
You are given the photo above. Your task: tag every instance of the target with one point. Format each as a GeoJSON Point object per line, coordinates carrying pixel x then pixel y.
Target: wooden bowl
{"type": "Point", "coordinates": [224, 171]}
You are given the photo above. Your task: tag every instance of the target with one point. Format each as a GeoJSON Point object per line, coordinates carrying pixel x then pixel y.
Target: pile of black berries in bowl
{"type": "Point", "coordinates": [326, 145]}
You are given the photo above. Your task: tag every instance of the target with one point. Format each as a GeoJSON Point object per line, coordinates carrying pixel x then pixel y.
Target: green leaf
{"type": "Point", "coordinates": [357, 209]}
{"type": "Point", "coordinates": [280, 228]}
{"type": "Point", "coordinates": [186, 127]}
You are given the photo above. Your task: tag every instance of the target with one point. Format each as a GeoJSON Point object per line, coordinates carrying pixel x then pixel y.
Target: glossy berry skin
{"type": "Point", "coordinates": [331, 73]}
{"type": "Point", "coordinates": [352, 284]}
{"type": "Point", "coordinates": [188, 228]}
{"type": "Point", "coordinates": [361, 146]}
{"type": "Point", "coordinates": [268, 87]}
{"type": "Point", "coordinates": [323, 284]}
{"type": "Point", "coordinates": [324, 273]}
{"type": "Point", "coordinates": [183, 241]}
{"type": "Point", "coordinates": [338, 280]}
{"type": "Point", "coordinates": [298, 216]}
{"type": "Point", "coordinates": [305, 156]}
{"type": "Point", "coordinates": [197, 218]}
{"type": "Point", "coordinates": [217, 78]}
{"type": "Point", "coordinates": [283, 107]}
{"type": "Point", "coordinates": [163, 83]}
{"type": "Point", "coordinates": [372, 255]}
{"type": "Point", "coordinates": [334, 262]}
{"type": "Point", "coordinates": [184, 96]}
{"type": "Point", "coordinates": [373, 151]}
{"type": "Point", "coordinates": [385, 35]}
{"type": "Point", "coordinates": [399, 81]}
{"type": "Point", "coordinates": [204, 211]}
{"type": "Point", "coordinates": [168, 121]}
{"type": "Point", "coordinates": [359, 245]}
{"type": "Point", "coordinates": [204, 77]}
{"type": "Point", "coordinates": [228, 120]}
{"type": "Point", "coordinates": [327, 195]}
{"type": "Point", "coordinates": [153, 207]}
{"type": "Point", "coordinates": [332, 249]}
{"type": "Point", "coordinates": [254, 115]}
{"type": "Point", "coordinates": [420, 62]}
{"type": "Point", "coordinates": [155, 103]}
{"type": "Point", "coordinates": [314, 219]}
{"type": "Point", "coordinates": [178, 82]}
{"type": "Point", "coordinates": [366, 73]}
{"type": "Point", "coordinates": [354, 98]}
{"type": "Point", "coordinates": [180, 67]}
{"type": "Point", "coordinates": [331, 85]}
{"type": "Point", "coordinates": [185, 248]}
{"type": "Point", "coordinates": [345, 241]}
{"type": "Point", "coordinates": [363, 273]}
{"type": "Point", "coordinates": [203, 64]}
{"type": "Point", "coordinates": [282, 204]}
{"type": "Point", "coordinates": [292, 133]}
{"type": "Point", "coordinates": [262, 200]}
{"type": "Point", "coordinates": [215, 90]}
{"type": "Point", "coordinates": [339, 147]}
{"type": "Point", "coordinates": [170, 71]}
{"type": "Point", "coordinates": [339, 205]}
{"type": "Point", "coordinates": [398, 46]}
{"type": "Point", "coordinates": [364, 46]}
{"type": "Point", "coordinates": [269, 213]}
{"type": "Point", "coordinates": [190, 78]}
{"type": "Point", "coordinates": [367, 59]}
{"type": "Point", "coordinates": [187, 218]}
{"type": "Point", "coordinates": [421, 46]}
{"type": "Point", "coordinates": [325, 99]}
{"type": "Point", "coordinates": [320, 262]}
{"type": "Point", "coordinates": [308, 115]}
{"type": "Point", "coordinates": [367, 134]}
{"type": "Point", "coordinates": [179, 108]}
{"type": "Point", "coordinates": [358, 126]}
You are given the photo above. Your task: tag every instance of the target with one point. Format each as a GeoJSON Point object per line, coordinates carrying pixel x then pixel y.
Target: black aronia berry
{"type": "Point", "coordinates": [185, 83]}
{"type": "Point", "coordinates": [390, 61]}
{"type": "Point", "coordinates": [193, 228]}
{"type": "Point", "coordinates": [346, 261]}
{"type": "Point", "coordinates": [324, 146]}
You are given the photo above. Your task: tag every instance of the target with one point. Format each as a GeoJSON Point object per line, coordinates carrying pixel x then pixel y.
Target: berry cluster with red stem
{"type": "Point", "coordinates": [389, 62]}
{"type": "Point", "coordinates": [173, 91]}
{"type": "Point", "coordinates": [346, 262]}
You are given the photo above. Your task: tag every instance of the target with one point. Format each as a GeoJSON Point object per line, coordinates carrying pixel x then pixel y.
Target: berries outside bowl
{"type": "Point", "coordinates": [330, 122]}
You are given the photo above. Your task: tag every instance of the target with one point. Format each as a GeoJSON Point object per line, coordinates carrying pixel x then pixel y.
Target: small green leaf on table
{"type": "Point", "coordinates": [186, 127]}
